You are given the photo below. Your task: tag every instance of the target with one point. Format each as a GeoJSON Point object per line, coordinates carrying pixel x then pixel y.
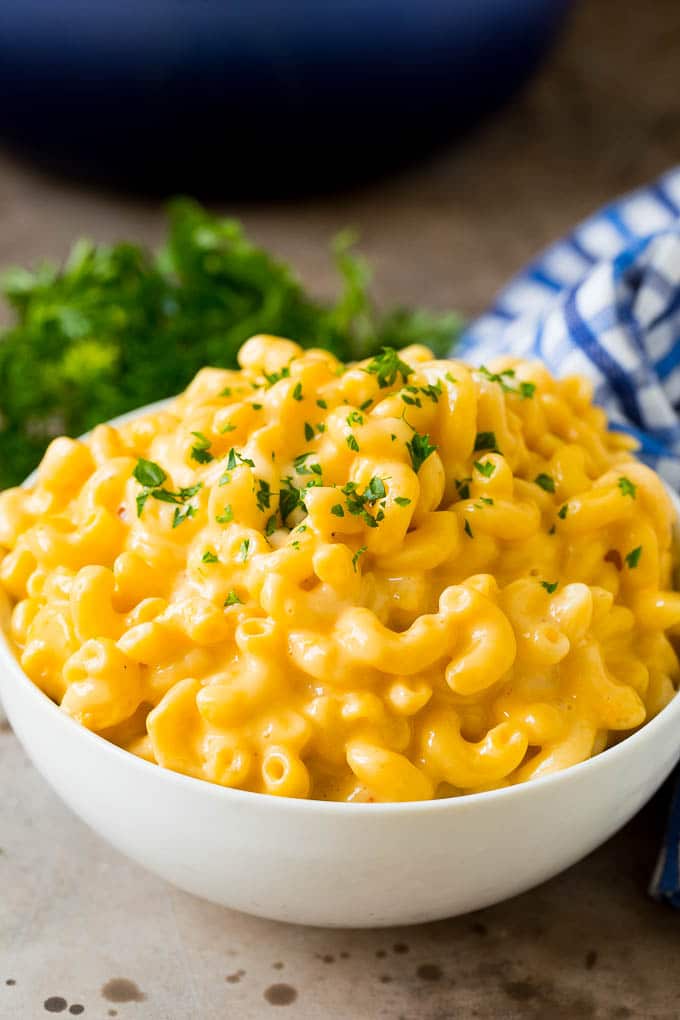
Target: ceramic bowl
{"type": "Point", "coordinates": [334, 864]}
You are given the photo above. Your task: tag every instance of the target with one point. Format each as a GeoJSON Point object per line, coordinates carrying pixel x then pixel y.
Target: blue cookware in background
{"type": "Point", "coordinates": [262, 96]}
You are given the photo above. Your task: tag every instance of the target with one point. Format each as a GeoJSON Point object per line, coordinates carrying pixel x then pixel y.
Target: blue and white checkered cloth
{"type": "Point", "coordinates": [605, 302]}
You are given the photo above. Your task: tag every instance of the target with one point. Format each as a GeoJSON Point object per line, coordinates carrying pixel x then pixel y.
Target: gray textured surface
{"type": "Point", "coordinates": [74, 915]}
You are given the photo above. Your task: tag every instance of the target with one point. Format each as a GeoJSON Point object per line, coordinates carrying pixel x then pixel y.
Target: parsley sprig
{"type": "Point", "coordinates": [386, 366]}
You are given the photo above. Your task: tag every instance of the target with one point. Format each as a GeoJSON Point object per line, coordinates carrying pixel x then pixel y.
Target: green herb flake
{"type": "Point", "coordinates": [141, 501]}
{"type": "Point", "coordinates": [402, 500]}
{"type": "Point", "coordinates": [357, 555]}
{"type": "Point", "coordinates": [297, 391]}
{"type": "Point", "coordinates": [337, 510]}
{"type": "Point", "coordinates": [486, 468]}
{"type": "Point", "coordinates": [355, 418]}
{"type": "Point", "coordinates": [352, 443]}
{"type": "Point", "coordinates": [263, 494]}
{"type": "Point", "coordinates": [375, 490]}
{"type": "Point", "coordinates": [229, 427]}
{"type": "Point", "coordinates": [563, 511]}
{"type": "Point", "coordinates": [226, 392]}
{"type": "Point", "coordinates": [550, 586]}
{"type": "Point", "coordinates": [180, 515]}
{"type": "Point", "coordinates": [232, 599]}
{"type": "Point", "coordinates": [322, 404]}
{"type": "Point", "coordinates": [274, 377]}
{"type": "Point", "coordinates": [226, 516]}
{"type": "Point", "coordinates": [527, 390]}
{"type": "Point", "coordinates": [467, 529]}
{"type": "Point", "coordinates": [627, 487]}
{"type": "Point", "coordinates": [270, 526]}
{"type": "Point", "coordinates": [387, 366]}
{"type": "Point", "coordinates": [463, 487]}
{"type": "Point", "coordinates": [243, 550]}
{"type": "Point", "coordinates": [546, 482]}
{"type": "Point", "coordinates": [148, 473]}
{"type": "Point", "coordinates": [419, 449]}
{"type": "Point", "coordinates": [208, 557]}
{"type": "Point", "coordinates": [486, 441]}
{"type": "Point", "coordinates": [366, 404]}
{"type": "Point", "coordinates": [200, 451]}
{"type": "Point", "coordinates": [309, 432]}
{"type": "Point", "coordinates": [633, 557]}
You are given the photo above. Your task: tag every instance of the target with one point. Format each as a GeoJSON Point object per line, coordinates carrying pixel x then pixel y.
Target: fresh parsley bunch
{"type": "Point", "coordinates": [117, 326]}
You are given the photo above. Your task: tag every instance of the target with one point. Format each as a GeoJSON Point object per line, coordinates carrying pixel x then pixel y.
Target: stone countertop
{"type": "Point", "coordinates": [85, 932]}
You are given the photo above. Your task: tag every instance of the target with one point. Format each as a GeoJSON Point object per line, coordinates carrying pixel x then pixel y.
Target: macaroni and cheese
{"type": "Point", "coordinates": [393, 580]}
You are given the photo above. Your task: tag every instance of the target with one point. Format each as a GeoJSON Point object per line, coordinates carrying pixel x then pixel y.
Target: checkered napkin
{"type": "Point", "coordinates": [605, 302]}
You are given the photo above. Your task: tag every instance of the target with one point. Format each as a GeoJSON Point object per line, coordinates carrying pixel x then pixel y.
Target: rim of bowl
{"type": "Point", "coordinates": [204, 787]}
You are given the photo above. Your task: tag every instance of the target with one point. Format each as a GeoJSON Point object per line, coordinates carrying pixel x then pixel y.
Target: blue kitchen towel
{"type": "Point", "coordinates": [605, 302]}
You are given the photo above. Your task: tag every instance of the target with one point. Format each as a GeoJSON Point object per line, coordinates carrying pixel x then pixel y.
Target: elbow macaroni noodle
{"type": "Point", "coordinates": [398, 580]}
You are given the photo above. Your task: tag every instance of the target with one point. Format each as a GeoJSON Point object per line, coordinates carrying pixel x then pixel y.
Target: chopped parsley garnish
{"type": "Point", "coordinates": [270, 526]}
{"type": "Point", "coordinates": [322, 404]}
{"type": "Point", "coordinates": [419, 449]}
{"type": "Point", "coordinates": [467, 529]}
{"type": "Point", "coordinates": [243, 549]}
{"type": "Point", "coordinates": [165, 496]}
{"type": "Point", "coordinates": [226, 516]}
{"type": "Point", "coordinates": [485, 467]}
{"type": "Point", "coordinates": [303, 468]}
{"type": "Point", "coordinates": [355, 418]}
{"type": "Point", "coordinates": [359, 553]}
{"type": "Point", "coordinates": [180, 516]}
{"type": "Point", "coordinates": [274, 377]}
{"type": "Point", "coordinates": [550, 586]}
{"type": "Point", "coordinates": [432, 391]}
{"type": "Point", "coordinates": [485, 501]}
{"type": "Point", "coordinates": [233, 458]}
{"type": "Point", "coordinates": [309, 431]}
{"type": "Point", "coordinates": [525, 390]}
{"type": "Point", "coordinates": [633, 557]}
{"type": "Point", "coordinates": [232, 599]}
{"type": "Point", "coordinates": [402, 500]}
{"type": "Point", "coordinates": [627, 487]}
{"type": "Point", "coordinates": [486, 441]}
{"type": "Point", "coordinates": [366, 404]}
{"type": "Point", "coordinates": [563, 511]}
{"type": "Point", "coordinates": [463, 487]}
{"type": "Point", "coordinates": [151, 476]}
{"type": "Point", "coordinates": [387, 366]}
{"type": "Point", "coordinates": [411, 401]}
{"type": "Point", "coordinates": [148, 473]}
{"type": "Point", "coordinates": [375, 490]}
{"type": "Point", "coordinates": [297, 391]}
{"type": "Point", "coordinates": [208, 557]}
{"type": "Point", "coordinates": [450, 378]}
{"type": "Point", "coordinates": [229, 427]}
{"type": "Point", "coordinates": [352, 443]}
{"type": "Point", "coordinates": [226, 392]}
{"type": "Point", "coordinates": [257, 407]}
{"type": "Point", "coordinates": [263, 494]}
{"type": "Point", "coordinates": [290, 498]}
{"type": "Point", "coordinates": [546, 482]}
{"type": "Point", "coordinates": [337, 510]}
{"type": "Point", "coordinates": [200, 451]}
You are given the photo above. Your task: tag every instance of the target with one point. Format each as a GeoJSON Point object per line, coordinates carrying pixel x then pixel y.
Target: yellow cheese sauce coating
{"type": "Point", "coordinates": [393, 580]}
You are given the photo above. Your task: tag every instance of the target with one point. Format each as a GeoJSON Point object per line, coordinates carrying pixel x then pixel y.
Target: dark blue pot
{"type": "Point", "coordinates": [262, 95]}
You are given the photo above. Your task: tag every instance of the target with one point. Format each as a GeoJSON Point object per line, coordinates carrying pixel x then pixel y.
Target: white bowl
{"type": "Point", "coordinates": [349, 865]}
